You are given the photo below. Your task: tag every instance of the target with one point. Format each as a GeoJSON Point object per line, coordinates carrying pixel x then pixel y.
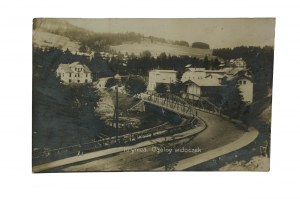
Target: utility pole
{"type": "Point", "coordinates": [118, 79]}
{"type": "Point", "coordinates": [117, 112]}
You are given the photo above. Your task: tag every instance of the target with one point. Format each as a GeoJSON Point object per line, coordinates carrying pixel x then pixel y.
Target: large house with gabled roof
{"type": "Point", "coordinates": [74, 73]}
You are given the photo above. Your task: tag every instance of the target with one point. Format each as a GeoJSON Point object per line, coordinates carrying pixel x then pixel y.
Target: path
{"type": "Point", "coordinates": [244, 140]}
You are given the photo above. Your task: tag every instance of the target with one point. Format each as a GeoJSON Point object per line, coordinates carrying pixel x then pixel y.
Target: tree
{"type": "Point", "coordinates": [181, 43]}
{"type": "Point", "coordinates": [161, 88]}
{"type": "Point", "coordinates": [111, 82]}
{"type": "Point", "coordinates": [83, 48]}
{"type": "Point", "coordinates": [145, 54]}
{"type": "Point", "coordinates": [215, 64]}
{"type": "Point", "coordinates": [200, 45]}
{"type": "Point", "coordinates": [145, 63]}
{"type": "Point", "coordinates": [233, 101]}
{"type": "Point", "coordinates": [206, 62]}
{"type": "Point", "coordinates": [135, 85]}
{"type": "Point", "coordinates": [176, 88]}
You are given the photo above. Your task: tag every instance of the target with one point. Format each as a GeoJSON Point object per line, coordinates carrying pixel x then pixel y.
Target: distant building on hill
{"type": "Point", "coordinates": [74, 73]}
{"type": "Point", "coordinates": [239, 62]}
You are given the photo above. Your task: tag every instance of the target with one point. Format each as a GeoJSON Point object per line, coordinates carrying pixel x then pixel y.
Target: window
{"type": "Point", "coordinates": [78, 74]}
{"type": "Point", "coordinates": [86, 81]}
{"type": "Point", "coordinates": [75, 69]}
{"type": "Point", "coordinates": [70, 80]}
{"type": "Point", "coordinates": [86, 75]}
{"type": "Point", "coordinates": [78, 81]}
{"type": "Point", "coordinates": [75, 75]}
{"type": "Point", "coordinates": [70, 74]}
{"type": "Point", "coordinates": [244, 81]}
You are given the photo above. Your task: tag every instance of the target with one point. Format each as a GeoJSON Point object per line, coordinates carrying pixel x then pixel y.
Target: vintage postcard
{"type": "Point", "coordinates": [152, 94]}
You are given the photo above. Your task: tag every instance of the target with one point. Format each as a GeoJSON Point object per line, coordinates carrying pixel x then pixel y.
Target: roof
{"type": "Point", "coordinates": [208, 81]}
{"type": "Point", "coordinates": [238, 76]}
{"type": "Point", "coordinates": [224, 70]}
{"type": "Point", "coordinates": [218, 76]}
{"type": "Point", "coordinates": [213, 77]}
{"type": "Point", "coordinates": [70, 68]}
{"type": "Point", "coordinates": [243, 76]}
{"type": "Point", "coordinates": [215, 71]}
{"type": "Point", "coordinates": [246, 77]}
{"type": "Point", "coordinates": [164, 71]}
{"type": "Point", "coordinates": [234, 71]}
{"type": "Point", "coordinates": [196, 69]}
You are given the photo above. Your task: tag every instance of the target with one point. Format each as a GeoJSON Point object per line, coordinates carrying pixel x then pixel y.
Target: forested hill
{"type": "Point", "coordinates": [74, 33]}
{"type": "Point", "coordinates": [92, 41]}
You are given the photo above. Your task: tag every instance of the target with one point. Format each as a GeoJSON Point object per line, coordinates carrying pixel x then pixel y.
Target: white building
{"type": "Point", "coordinates": [160, 77]}
{"type": "Point", "coordinates": [193, 73]}
{"type": "Point", "coordinates": [200, 85]}
{"type": "Point", "coordinates": [245, 85]}
{"type": "Point", "coordinates": [201, 73]}
{"type": "Point", "coordinates": [74, 73]}
{"type": "Point", "coordinates": [239, 62]}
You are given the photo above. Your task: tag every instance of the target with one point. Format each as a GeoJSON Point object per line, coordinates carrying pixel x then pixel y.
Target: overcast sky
{"type": "Point", "coordinates": [218, 33]}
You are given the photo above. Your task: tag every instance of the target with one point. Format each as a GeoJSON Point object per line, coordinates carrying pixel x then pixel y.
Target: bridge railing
{"type": "Point", "coordinates": [202, 103]}
{"type": "Point", "coordinates": [187, 105]}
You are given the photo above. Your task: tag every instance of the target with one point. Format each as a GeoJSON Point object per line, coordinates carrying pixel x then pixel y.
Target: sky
{"type": "Point", "coordinates": [218, 33]}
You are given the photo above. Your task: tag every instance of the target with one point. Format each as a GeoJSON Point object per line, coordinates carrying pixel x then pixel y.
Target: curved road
{"type": "Point", "coordinates": [220, 134]}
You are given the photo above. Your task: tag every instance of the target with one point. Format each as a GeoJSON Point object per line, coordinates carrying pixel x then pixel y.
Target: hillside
{"type": "Point", "coordinates": [157, 48]}
{"type": "Point", "coordinates": [61, 34]}
{"type": "Point", "coordinates": [54, 33]}
{"type": "Point", "coordinates": [43, 39]}
{"type": "Point", "coordinates": [44, 24]}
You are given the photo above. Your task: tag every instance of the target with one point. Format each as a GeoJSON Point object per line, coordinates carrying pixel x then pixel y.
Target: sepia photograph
{"type": "Point", "coordinates": [143, 94]}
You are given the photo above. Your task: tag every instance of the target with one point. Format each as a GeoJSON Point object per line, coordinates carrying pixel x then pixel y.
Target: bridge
{"type": "Point", "coordinates": [188, 107]}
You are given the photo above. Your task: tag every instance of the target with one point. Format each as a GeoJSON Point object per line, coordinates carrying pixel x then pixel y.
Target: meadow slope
{"type": "Point", "coordinates": [157, 48]}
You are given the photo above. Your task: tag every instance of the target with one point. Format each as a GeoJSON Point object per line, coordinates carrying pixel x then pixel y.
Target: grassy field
{"type": "Point", "coordinates": [157, 48]}
{"type": "Point", "coordinates": [45, 39]}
